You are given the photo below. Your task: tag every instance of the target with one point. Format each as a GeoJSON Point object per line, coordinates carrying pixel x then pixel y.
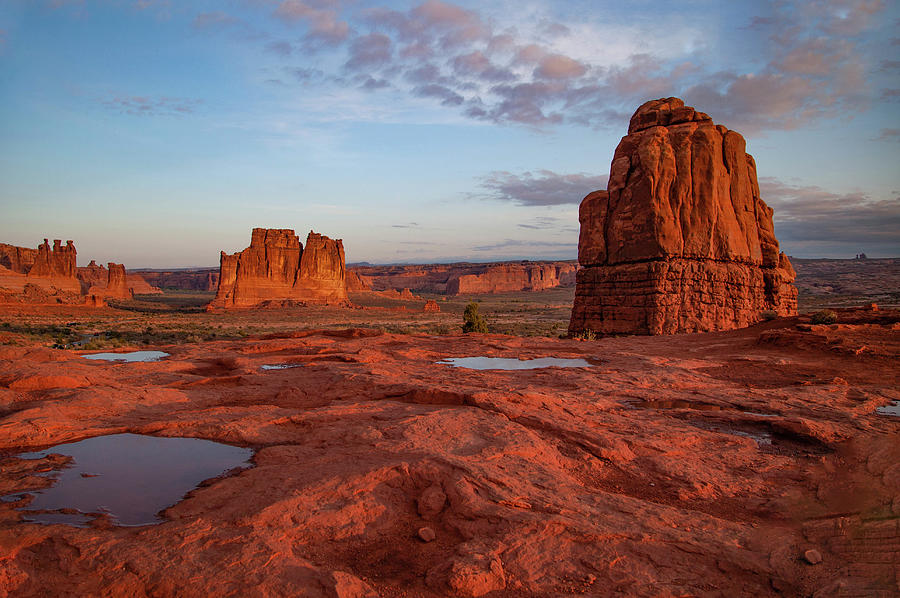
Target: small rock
{"type": "Point", "coordinates": [426, 534]}
{"type": "Point", "coordinates": [813, 556]}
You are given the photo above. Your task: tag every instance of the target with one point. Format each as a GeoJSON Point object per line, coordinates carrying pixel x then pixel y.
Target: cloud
{"type": "Point", "coordinates": [812, 61]}
{"type": "Point", "coordinates": [510, 243]}
{"type": "Point", "coordinates": [280, 48]}
{"type": "Point", "coordinates": [369, 51]}
{"type": "Point", "coordinates": [214, 20]}
{"type": "Point", "coordinates": [888, 135]}
{"type": "Point", "coordinates": [324, 26]}
{"type": "Point", "coordinates": [546, 188]}
{"type": "Point", "coordinates": [150, 106]}
{"type": "Point", "coordinates": [807, 216]}
{"type": "Point", "coordinates": [407, 225]}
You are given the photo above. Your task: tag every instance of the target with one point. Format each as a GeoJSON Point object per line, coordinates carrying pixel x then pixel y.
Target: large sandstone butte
{"type": "Point", "coordinates": [50, 270]}
{"type": "Point", "coordinates": [681, 240]}
{"type": "Point", "coordinates": [276, 269]}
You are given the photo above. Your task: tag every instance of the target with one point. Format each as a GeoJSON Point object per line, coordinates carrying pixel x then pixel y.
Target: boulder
{"type": "Point", "coordinates": [275, 269]}
{"type": "Point", "coordinates": [681, 240]}
{"type": "Point", "coordinates": [431, 305]}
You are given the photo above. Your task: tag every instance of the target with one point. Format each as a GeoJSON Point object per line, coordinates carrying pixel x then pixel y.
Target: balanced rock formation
{"type": "Point", "coordinates": [681, 240]}
{"type": "Point", "coordinates": [276, 269]}
{"type": "Point", "coordinates": [116, 284]}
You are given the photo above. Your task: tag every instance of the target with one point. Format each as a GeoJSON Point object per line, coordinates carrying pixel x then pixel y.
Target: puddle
{"type": "Point", "coordinates": [893, 409]}
{"type": "Point", "coordinates": [280, 366]}
{"type": "Point", "coordinates": [133, 356]}
{"type": "Point", "coordinates": [503, 363]}
{"type": "Point", "coordinates": [130, 477]}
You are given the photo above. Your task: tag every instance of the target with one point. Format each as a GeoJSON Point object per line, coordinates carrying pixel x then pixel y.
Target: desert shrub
{"type": "Point", "coordinates": [472, 320]}
{"type": "Point", "coordinates": [826, 316]}
{"type": "Point", "coordinates": [768, 315]}
{"type": "Point", "coordinates": [586, 335]}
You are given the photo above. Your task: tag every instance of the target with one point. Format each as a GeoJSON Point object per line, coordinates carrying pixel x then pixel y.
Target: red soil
{"type": "Point", "coordinates": [763, 446]}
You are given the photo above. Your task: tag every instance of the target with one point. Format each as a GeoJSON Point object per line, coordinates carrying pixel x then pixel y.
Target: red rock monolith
{"type": "Point", "coordinates": [276, 268]}
{"type": "Point", "coordinates": [117, 284]}
{"type": "Point", "coordinates": [681, 240]}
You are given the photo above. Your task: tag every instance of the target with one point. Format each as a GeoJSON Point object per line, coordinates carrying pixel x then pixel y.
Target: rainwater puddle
{"type": "Point", "coordinates": [893, 409]}
{"type": "Point", "coordinates": [130, 477]}
{"type": "Point", "coordinates": [133, 356]}
{"type": "Point", "coordinates": [503, 363]}
{"type": "Point", "coordinates": [280, 366]}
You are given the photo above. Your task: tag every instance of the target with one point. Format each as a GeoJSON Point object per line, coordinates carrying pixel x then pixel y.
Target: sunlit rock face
{"type": "Point", "coordinates": [276, 268]}
{"type": "Point", "coordinates": [681, 240]}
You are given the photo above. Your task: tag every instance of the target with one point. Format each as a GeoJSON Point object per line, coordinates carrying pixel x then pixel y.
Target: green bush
{"type": "Point", "coordinates": [826, 316]}
{"type": "Point", "coordinates": [472, 320]}
{"type": "Point", "coordinates": [586, 335]}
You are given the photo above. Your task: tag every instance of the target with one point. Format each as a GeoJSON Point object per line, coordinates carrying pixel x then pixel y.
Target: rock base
{"type": "Point", "coordinates": [677, 295]}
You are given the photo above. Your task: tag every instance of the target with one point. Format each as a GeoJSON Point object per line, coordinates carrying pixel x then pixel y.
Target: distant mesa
{"type": "Point", "coordinates": [96, 278]}
{"type": "Point", "coordinates": [466, 278]}
{"type": "Point", "coordinates": [681, 240]}
{"type": "Point", "coordinates": [277, 270]}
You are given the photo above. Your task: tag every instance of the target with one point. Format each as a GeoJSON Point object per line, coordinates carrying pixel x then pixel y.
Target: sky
{"type": "Point", "coordinates": [159, 132]}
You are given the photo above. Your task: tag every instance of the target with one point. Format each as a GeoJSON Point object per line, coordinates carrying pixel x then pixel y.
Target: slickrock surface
{"type": "Point", "coordinates": [703, 465]}
{"type": "Point", "coordinates": [680, 241]}
{"type": "Point", "coordinates": [466, 278]}
{"type": "Point", "coordinates": [276, 269]}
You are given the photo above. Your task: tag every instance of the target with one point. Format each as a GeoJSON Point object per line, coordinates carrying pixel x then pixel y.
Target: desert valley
{"type": "Point", "coordinates": [684, 411]}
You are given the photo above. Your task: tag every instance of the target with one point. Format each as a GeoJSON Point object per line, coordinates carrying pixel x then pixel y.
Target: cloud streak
{"type": "Point", "coordinates": [810, 216]}
{"type": "Point", "coordinates": [543, 188]}
{"type": "Point", "coordinates": [150, 106]}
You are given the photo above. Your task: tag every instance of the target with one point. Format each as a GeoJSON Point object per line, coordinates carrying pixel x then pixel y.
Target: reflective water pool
{"type": "Point", "coordinates": [129, 476]}
{"type": "Point", "coordinates": [132, 356]}
{"type": "Point", "coordinates": [503, 363]}
{"type": "Point", "coordinates": [892, 409]}
{"type": "Point", "coordinates": [280, 366]}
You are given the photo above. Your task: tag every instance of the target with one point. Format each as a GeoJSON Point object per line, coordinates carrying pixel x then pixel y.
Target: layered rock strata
{"type": "Point", "coordinates": [276, 268]}
{"type": "Point", "coordinates": [681, 240]}
{"type": "Point", "coordinates": [462, 278]}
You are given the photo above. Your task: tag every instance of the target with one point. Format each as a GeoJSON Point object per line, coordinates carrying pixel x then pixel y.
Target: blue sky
{"type": "Point", "coordinates": [157, 133]}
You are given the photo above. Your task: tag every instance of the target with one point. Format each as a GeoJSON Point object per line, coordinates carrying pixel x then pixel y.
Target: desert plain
{"type": "Point", "coordinates": [751, 462]}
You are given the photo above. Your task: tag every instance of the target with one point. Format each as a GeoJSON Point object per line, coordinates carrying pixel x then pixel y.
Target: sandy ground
{"type": "Point", "coordinates": [693, 465]}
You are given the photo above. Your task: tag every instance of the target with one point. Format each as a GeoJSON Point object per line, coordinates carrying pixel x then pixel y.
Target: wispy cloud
{"type": "Point", "coordinates": [151, 106]}
{"type": "Point", "coordinates": [888, 135]}
{"type": "Point", "coordinates": [814, 61]}
{"type": "Point", "coordinates": [522, 243]}
{"type": "Point", "coordinates": [543, 188]}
